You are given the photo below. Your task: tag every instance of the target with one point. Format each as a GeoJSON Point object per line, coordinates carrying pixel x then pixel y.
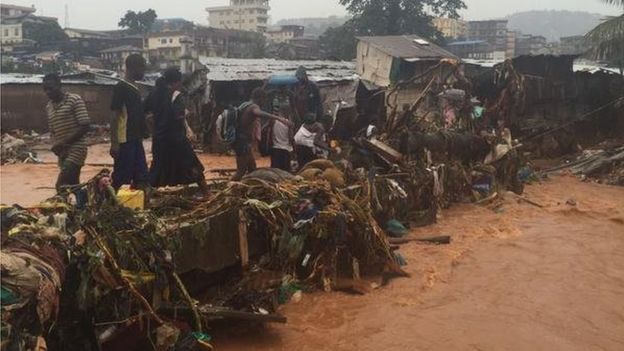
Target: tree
{"type": "Point", "coordinates": [338, 43]}
{"type": "Point", "coordinates": [386, 17]}
{"type": "Point", "coordinates": [607, 39]}
{"type": "Point", "coordinates": [44, 32]}
{"type": "Point", "coordinates": [138, 22]}
{"type": "Point", "coordinates": [396, 17]}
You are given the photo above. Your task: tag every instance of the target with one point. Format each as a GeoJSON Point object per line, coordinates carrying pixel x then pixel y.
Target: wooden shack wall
{"type": "Point", "coordinates": [23, 105]}
{"type": "Point", "coordinates": [373, 64]}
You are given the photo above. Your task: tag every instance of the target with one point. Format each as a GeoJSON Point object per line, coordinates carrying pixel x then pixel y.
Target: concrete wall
{"type": "Point", "coordinates": [23, 105]}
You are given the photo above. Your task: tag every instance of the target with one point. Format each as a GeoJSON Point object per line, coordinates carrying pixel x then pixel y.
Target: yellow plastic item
{"type": "Point", "coordinates": [134, 199]}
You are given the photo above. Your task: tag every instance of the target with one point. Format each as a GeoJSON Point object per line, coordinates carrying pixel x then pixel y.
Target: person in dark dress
{"type": "Point", "coordinates": [174, 160]}
{"type": "Point", "coordinates": [129, 128]}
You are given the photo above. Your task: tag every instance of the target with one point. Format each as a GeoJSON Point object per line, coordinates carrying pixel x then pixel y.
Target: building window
{"type": "Point", "coordinates": [251, 20]}
{"type": "Point", "coordinates": [170, 40]}
{"type": "Point", "coordinates": [17, 32]}
{"type": "Point", "coordinates": [163, 41]}
{"type": "Point", "coordinates": [6, 32]}
{"type": "Point", "coordinates": [222, 22]}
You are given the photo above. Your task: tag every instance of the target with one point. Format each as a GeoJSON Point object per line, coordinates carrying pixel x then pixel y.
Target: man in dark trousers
{"type": "Point", "coordinates": [307, 96]}
{"type": "Point", "coordinates": [68, 122]}
{"type": "Point", "coordinates": [129, 128]}
{"type": "Point", "coordinates": [243, 145]}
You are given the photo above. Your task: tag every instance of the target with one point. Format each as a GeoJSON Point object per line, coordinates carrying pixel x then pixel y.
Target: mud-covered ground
{"type": "Point", "coordinates": [515, 277]}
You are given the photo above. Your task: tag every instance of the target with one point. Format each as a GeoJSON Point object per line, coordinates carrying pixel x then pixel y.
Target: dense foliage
{"type": "Point", "coordinates": [138, 22]}
{"type": "Point", "coordinates": [386, 17]}
{"type": "Point", "coordinates": [607, 39]}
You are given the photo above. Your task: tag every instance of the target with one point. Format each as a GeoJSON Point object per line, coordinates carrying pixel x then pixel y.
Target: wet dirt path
{"type": "Point", "coordinates": [518, 278]}
{"type": "Point", "coordinates": [28, 184]}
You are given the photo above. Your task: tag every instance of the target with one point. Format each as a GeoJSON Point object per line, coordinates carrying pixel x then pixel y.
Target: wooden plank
{"type": "Point", "coordinates": [385, 150]}
{"type": "Point", "coordinates": [243, 241]}
{"type": "Point", "coordinates": [444, 239]}
{"type": "Point", "coordinates": [212, 313]}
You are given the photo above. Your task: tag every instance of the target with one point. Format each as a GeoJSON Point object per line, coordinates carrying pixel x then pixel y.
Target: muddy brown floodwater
{"type": "Point", "coordinates": [516, 277]}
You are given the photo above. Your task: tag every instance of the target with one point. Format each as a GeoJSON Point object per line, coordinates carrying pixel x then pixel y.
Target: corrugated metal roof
{"type": "Point", "coordinates": [467, 42]}
{"type": "Point", "coordinates": [123, 48]}
{"type": "Point", "coordinates": [227, 69]}
{"type": "Point", "coordinates": [408, 47]}
{"type": "Point", "coordinates": [18, 78]}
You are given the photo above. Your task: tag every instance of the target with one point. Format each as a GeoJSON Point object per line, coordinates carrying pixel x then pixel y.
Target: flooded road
{"type": "Point", "coordinates": [516, 277]}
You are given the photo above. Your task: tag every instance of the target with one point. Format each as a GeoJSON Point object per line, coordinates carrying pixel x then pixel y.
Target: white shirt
{"type": "Point", "coordinates": [281, 137]}
{"type": "Point", "coordinates": [305, 137]}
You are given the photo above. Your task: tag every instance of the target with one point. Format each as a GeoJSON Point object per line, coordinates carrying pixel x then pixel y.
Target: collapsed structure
{"type": "Point", "coordinates": [418, 132]}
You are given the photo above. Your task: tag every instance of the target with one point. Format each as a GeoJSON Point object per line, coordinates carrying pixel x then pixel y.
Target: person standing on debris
{"type": "Point", "coordinates": [309, 137]}
{"type": "Point", "coordinates": [129, 128]}
{"type": "Point", "coordinates": [246, 122]}
{"type": "Point", "coordinates": [174, 161]}
{"type": "Point", "coordinates": [307, 96]}
{"type": "Point", "coordinates": [69, 122]}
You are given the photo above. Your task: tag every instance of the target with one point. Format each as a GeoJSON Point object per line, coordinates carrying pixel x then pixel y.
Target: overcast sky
{"type": "Point", "coordinates": [104, 14]}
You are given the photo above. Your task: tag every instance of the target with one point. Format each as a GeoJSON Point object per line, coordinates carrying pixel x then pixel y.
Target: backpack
{"type": "Point", "coordinates": [266, 141]}
{"type": "Point", "coordinates": [230, 122]}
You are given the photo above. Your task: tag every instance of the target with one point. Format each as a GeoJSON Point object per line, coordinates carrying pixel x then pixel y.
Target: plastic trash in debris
{"type": "Point", "coordinates": [202, 336]}
{"type": "Point", "coordinates": [8, 297]}
{"type": "Point", "coordinates": [395, 228]}
{"type": "Point", "coordinates": [526, 174]}
{"type": "Point", "coordinates": [287, 292]}
{"type": "Point", "coordinates": [134, 199]}
{"type": "Point", "coordinates": [203, 340]}
{"type": "Point", "coordinates": [400, 259]}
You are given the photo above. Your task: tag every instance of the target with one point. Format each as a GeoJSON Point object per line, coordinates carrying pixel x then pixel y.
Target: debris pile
{"type": "Point", "coordinates": [604, 165]}
{"type": "Point", "coordinates": [121, 282]}
{"type": "Point", "coordinates": [16, 148]}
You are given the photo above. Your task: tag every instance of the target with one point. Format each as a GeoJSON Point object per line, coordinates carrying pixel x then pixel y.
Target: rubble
{"type": "Point", "coordinates": [122, 268]}
{"type": "Point", "coordinates": [602, 165]}
{"type": "Point", "coordinates": [16, 148]}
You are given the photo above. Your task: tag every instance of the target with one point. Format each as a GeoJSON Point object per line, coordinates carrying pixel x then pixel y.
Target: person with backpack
{"type": "Point", "coordinates": [174, 160]}
{"type": "Point", "coordinates": [246, 118]}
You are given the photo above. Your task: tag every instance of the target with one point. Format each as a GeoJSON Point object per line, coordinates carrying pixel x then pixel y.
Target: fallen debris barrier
{"type": "Point", "coordinates": [122, 266]}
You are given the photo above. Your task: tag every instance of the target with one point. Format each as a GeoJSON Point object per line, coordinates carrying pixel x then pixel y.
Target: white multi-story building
{"type": "Point", "coordinates": [249, 15]}
{"type": "Point", "coordinates": [8, 10]}
{"type": "Point", "coordinates": [284, 33]}
{"type": "Point", "coordinates": [11, 31]}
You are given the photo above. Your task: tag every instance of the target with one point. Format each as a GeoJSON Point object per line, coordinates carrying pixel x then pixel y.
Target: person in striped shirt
{"type": "Point", "coordinates": [68, 122]}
